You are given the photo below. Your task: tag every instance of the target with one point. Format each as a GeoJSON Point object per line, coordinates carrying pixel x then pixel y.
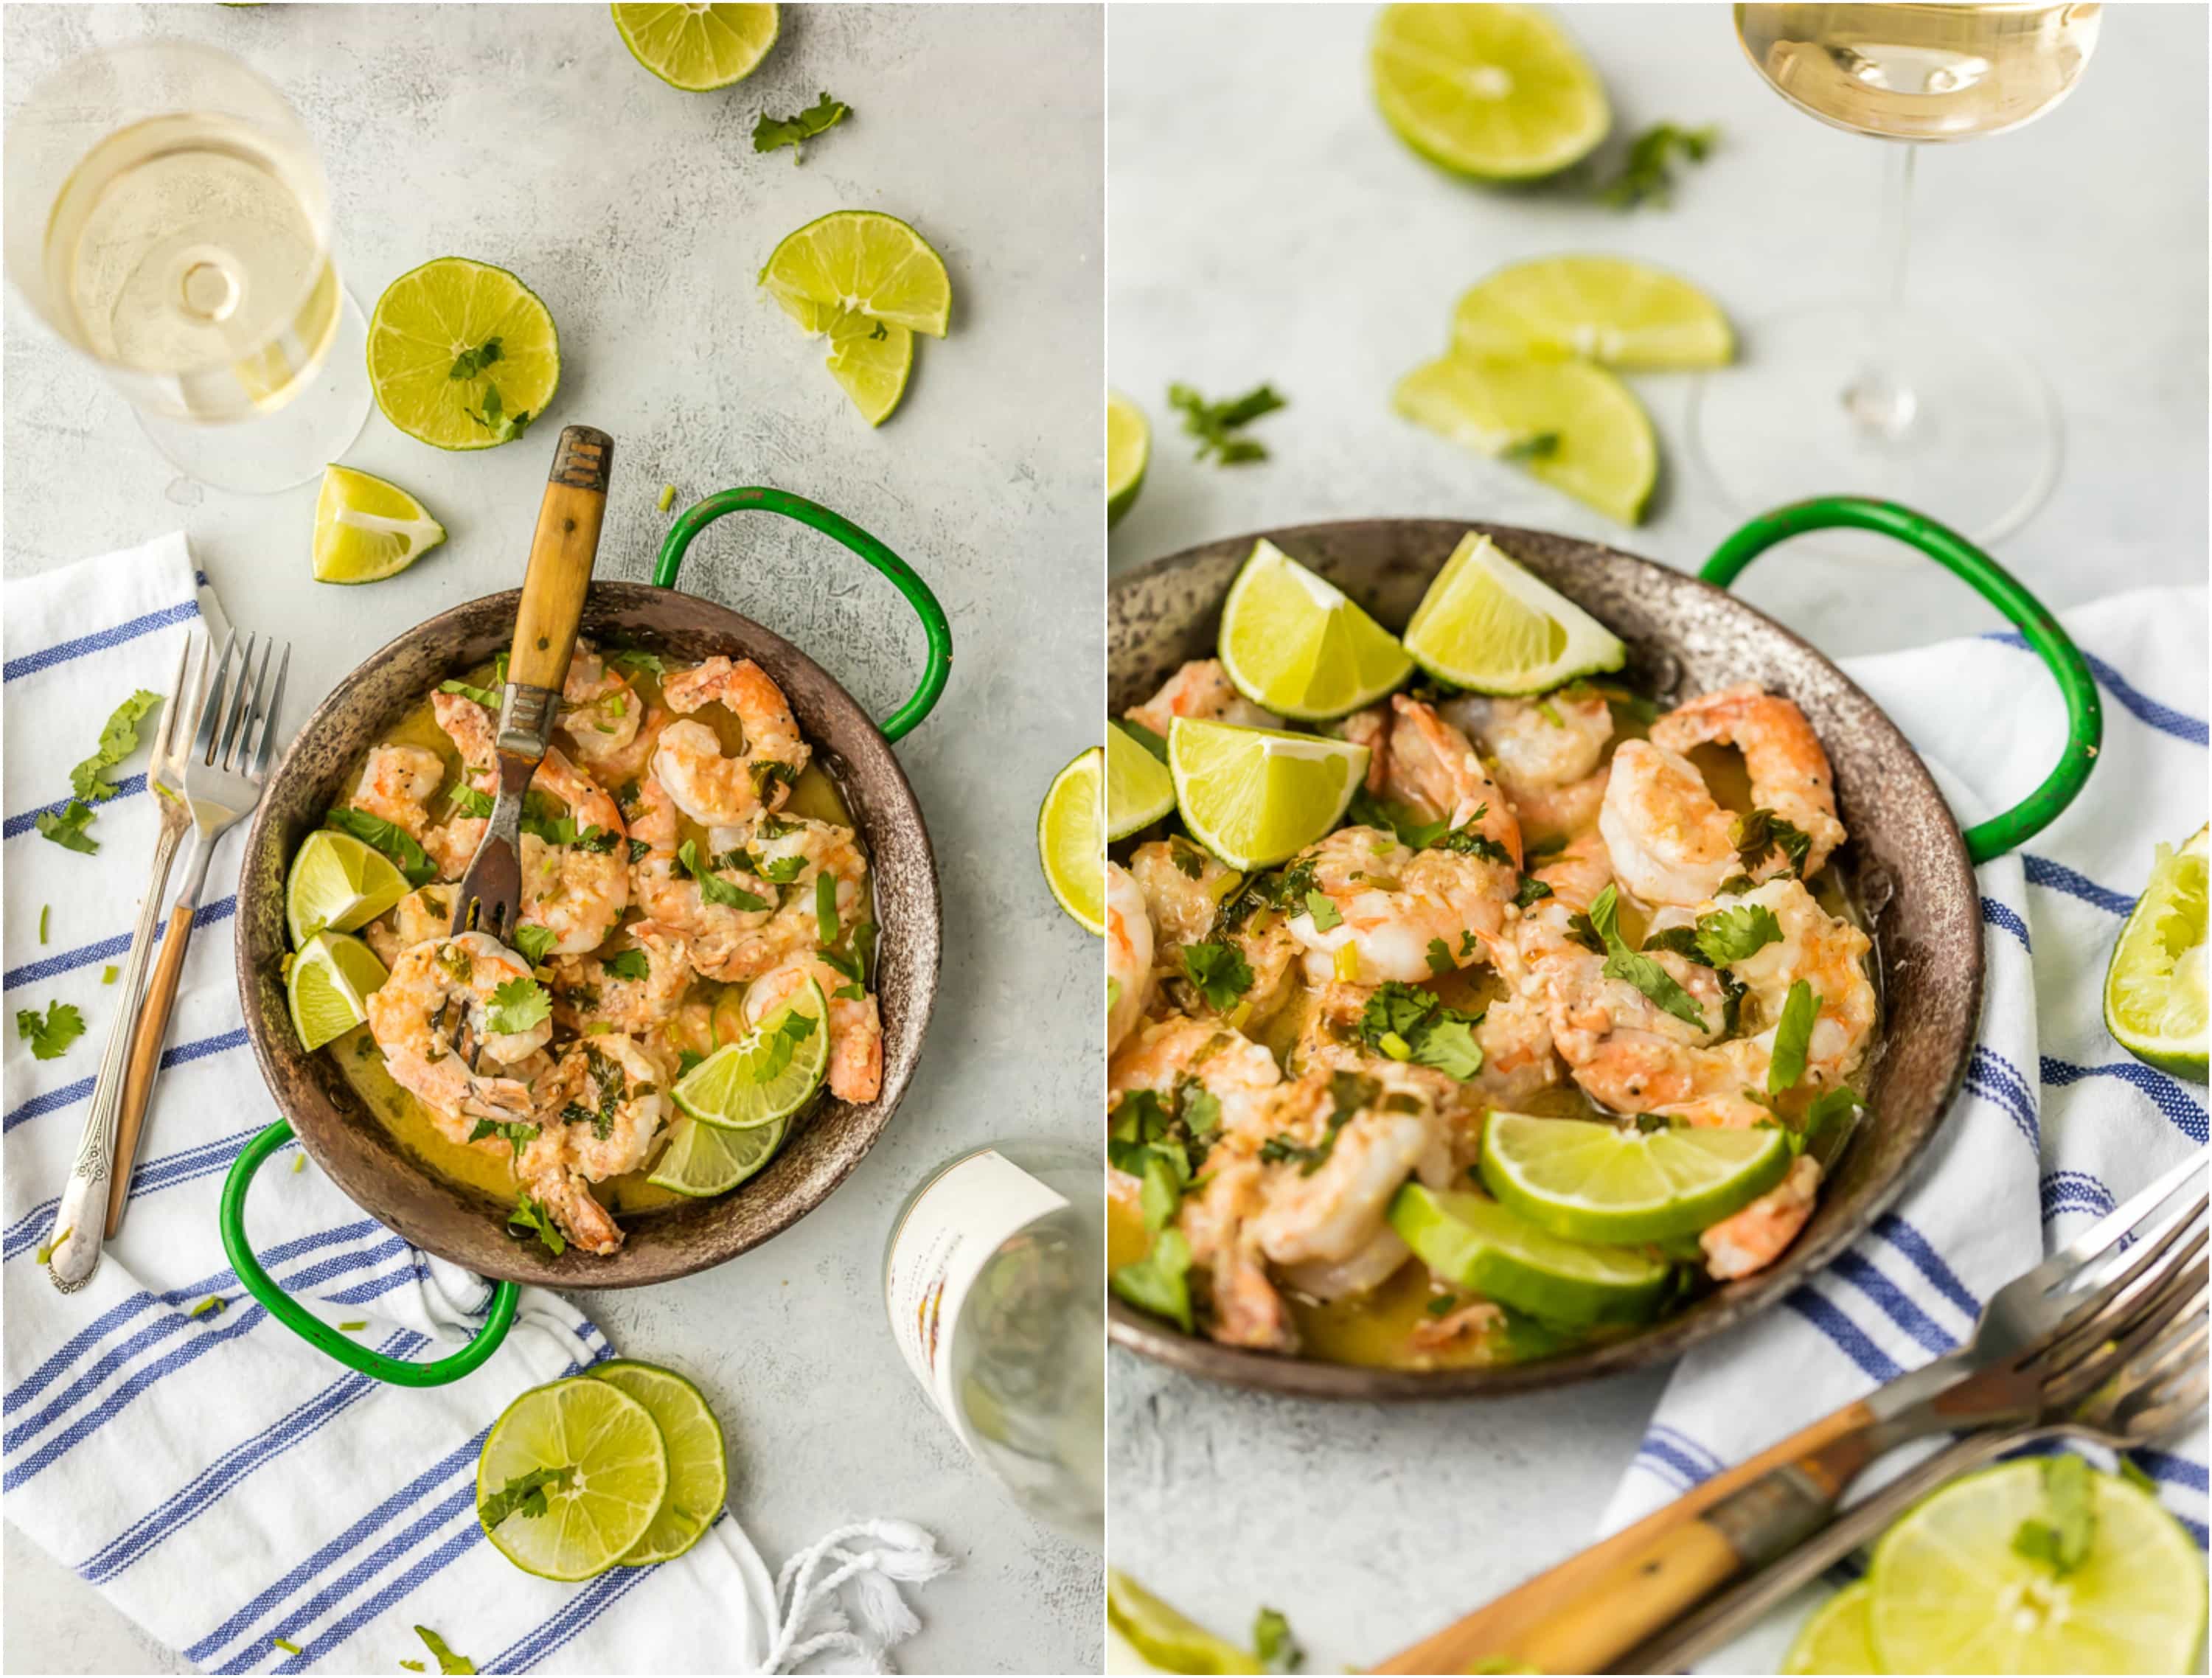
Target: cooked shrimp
{"type": "Point", "coordinates": [723, 937]}
{"type": "Point", "coordinates": [434, 987]}
{"type": "Point", "coordinates": [599, 711]}
{"type": "Point", "coordinates": [1371, 728]}
{"type": "Point", "coordinates": [1635, 1071]}
{"type": "Point", "coordinates": [1334, 1212]}
{"type": "Point", "coordinates": [1164, 1054]}
{"type": "Point", "coordinates": [1129, 955]}
{"type": "Point", "coordinates": [856, 1033]}
{"type": "Point", "coordinates": [576, 891]}
{"type": "Point", "coordinates": [1829, 955]}
{"type": "Point", "coordinates": [1514, 1035]}
{"type": "Point", "coordinates": [1789, 771]}
{"type": "Point", "coordinates": [1394, 907]}
{"type": "Point", "coordinates": [1245, 1308]}
{"type": "Point", "coordinates": [1201, 690]}
{"type": "Point", "coordinates": [1472, 1320]}
{"type": "Point", "coordinates": [617, 1105]}
{"type": "Point", "coordinates": [397, 782]}
{"type": "Point", "coordinates": [1535, 745]}
{"type": "Point", "coordinates": [1669, 841]}
{"type": "Point", "coordinates": [422, 914]}
{"type": "Point", "coordinates": [1435, 771]}
{"type": "Point", "coordinates": [617, 768]}
{"type": "Point", "coordinates": [713, 790]}
{"type": "Point", "coordinates": [1330, 1040]}
{"type": "Point", "coordinates": [1184, 891]}
{"type": "Point", "coordinates": [474, 736]}
{"type": "Point", "coordinates": [588, 991]}
{"type": "Point", "coordinates": [1755, 1237]}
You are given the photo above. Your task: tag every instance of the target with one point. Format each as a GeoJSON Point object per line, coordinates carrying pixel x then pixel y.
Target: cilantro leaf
{"type": "Point", "coordinates": [471, 364]}
{"type": "Point", "coordinates": [448, 1662]}
{"type": "Point", "coordinates": [1830, 1109]}
{"type": "Point", "coordinates": [712, 888]}
{"type": "Point", "coordinates": [394, 841]}
{"type": "Point", "coordinates": [1325, 913]}
{"type": "Point", "coordinates": [1646, 174]}
{"type": "Point", "coordinates": [467, 801]}
{"type": "Point", "coordinates": [524, 1495]}
{"type": "Point", "coordinates": [825, 907]}
{"type": "Point", "coordinates": [483, 696]}
{"type": "Point", "coordinates": [2061, 1535]}
{"type": "Point", "coordinates": [535, 942]}
{"type": "Point", "coordinates": [517, 1006]}
{"type": "Point", "coordinates": [1638, 969]}
{"type": "Point", "coordinates": [1272, 1640]}
{"type": "Point", "coordinates": [1155, 743]}
{"type": "Point", "coordinates": [1159, 1282]}
{"type": "Point", "coordinates": [1793, 1036]}
{"type": "Point", "coordinates": [634, 659]}
{"type": "Point", "coordinates": [1531, 890]}
{"type": "Point", "coordinates": [794, 130]}
{"type": "Point", "coordinates": [1220, 972]}
{"type": "Point", "coordinates": [520, 1133]}
{"type": "Point", "coordinates": [504, 428]}
{"type": "Point", "coordinates": [1761, 833]}
{"type": "Point", "coordinates": [530, 1215]}
{"type": "Point", "coordinates": [1409, 1023]}
{"type": "Point", "coordinates": [628, 964]}
{"type": "Point", "coordinates": [118, 738]}
{"type": "Point", "coordinates": [66, 827]}
{"type": "Point", "coordinates": [50, 1034]}
{"type": "Point", "coordinates": [1216, 423]}
{"type": "Point", "coordinates": [1732, 935]}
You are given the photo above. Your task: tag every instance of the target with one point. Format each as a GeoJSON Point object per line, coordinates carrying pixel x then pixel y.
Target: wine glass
{"type": "Point", "coordinates": [167, 214]}
{"type": "Point", "coordinates": [1880, 397]}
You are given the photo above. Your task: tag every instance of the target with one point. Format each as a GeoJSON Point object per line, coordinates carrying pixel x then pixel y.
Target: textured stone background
{"type": "Point", "coordinates": [527, 137]}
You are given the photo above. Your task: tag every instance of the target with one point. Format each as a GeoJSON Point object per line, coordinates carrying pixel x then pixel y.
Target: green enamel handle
{"type": "Point", "coordinates": [935, 630]}
{"type": "Point", "coordinates": [310, 1327]}
{"type": "Point", "coordinates": [2085, 712]}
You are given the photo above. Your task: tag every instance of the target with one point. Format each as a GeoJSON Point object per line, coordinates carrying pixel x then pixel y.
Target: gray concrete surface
{"type": "Point", "coordinates": [1263, 224]}
{"type": "Point", "coordinates": [528, 137]}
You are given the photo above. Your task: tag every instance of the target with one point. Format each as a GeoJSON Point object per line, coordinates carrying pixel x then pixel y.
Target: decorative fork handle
{"type": "Point", "coordinates": [74, 1243]}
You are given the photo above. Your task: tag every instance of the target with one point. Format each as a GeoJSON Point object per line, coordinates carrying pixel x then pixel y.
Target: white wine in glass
{"type": "Point", "coordinates": [187, 250]}
{"type": "Point", "coordinates": [1876, 396]}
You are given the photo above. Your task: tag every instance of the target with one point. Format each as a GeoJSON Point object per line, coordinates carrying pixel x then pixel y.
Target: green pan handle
{"type": "Point", "coordinates": [934, 629]}
{"type": "Point", "coordinates": [2084, 715]}
{"type": "Point", "coordinates": [311, 1328]}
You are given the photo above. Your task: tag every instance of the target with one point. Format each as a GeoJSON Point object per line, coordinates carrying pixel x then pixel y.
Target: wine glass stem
{"type": "Point", "coordinates": [1879, 399]}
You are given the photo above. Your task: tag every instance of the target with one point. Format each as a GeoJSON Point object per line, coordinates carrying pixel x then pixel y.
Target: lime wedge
{"type": "Point", "coordinates": [1950, 1594]}
{"type": "Point", "coordinates": [2154, 989]}
{"type": "Point", "coordinates": [1169, 1640]}
{"type": "Point", "coordinates": [1834, 1638]}
{"type": "Point", "coordinates": [860, 260]}
{"type": "Point", "coordinates": [766, 1076]}
{"type": "Point", "coordinates": [703, 1160]}
{"type": "Point", "coordinates": [698, 1458]}
{"type": "Point", "coordinates": [337, 883]}
{"type": "Point", "coordinates": [366, 530]}
{"type": "Point", "coordinates": [1477, 1244]}
{"type": "Point", "coordinates": [1592, 1181]}
{"type": "Point", "coordinates": [1128, 451]}
{"type": "Point", "coordinates": [1500, 92]}
{"type": "Point", "coordinates": [1071, 839]}
{"type": "Point", "coordinates": [1623, 313]}
{"type": "Point", "coordinates": [1573, 425]}
{"type": "Point", "coordinates": [601, 1470]}
{"type": "Point", "coordinates": [1139, 788]}
{"type": "Point", "coordinates": [332, 979]}
{"type": "Point", "coordinates": [1255, 797]}
{"type": "Point", "coordinates": [1489, 625]}
{"type": "Point", "coordinates": [698, 47]}
{"type": "Point", "coordinates": [450, 307]}
{"type": "Point", "coordinates": [1300, 645]}
{"type": "Point", "coordinates": [871, 359]}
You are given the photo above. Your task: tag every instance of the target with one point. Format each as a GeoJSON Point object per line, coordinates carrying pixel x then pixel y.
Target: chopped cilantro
{"type": "Point", "coordinates": [1637, 969]}
{"type": "Point", "coordinates": [517, 1006]}
{"type": "Point", "coordinates": [535, 942]}
{"type": "Point", "coordinates": [50, 1034]}
{"type": "Point", "coordinates": [1159, 1282]}
{"type": "Point", "coordinates": [1430, 1034]}
{"type": "Point", "coordinates": [452, 1665]}
{"type": "Point", "coordinates": [825, 907]}
{"type": "Point", "coordinates": [118, 738]}
{"type": "Point", "coordinates": [1530, 891]}
{"type": "Point", "coordinates": [524, 1495]}
{"type": "Point", "coordinates": [1216, 423]}
{"type": "Point", "coordinates": [712, 888]}
{"type": "Point", "coordinates": [1646, 174]}
{"type": "Point", "coordinates": [628, 964]}
{"type": "Point", "coordinates": [66, 827]}
{"type": "Point", "coordinates": [1761, 833]}
{"type": "Point", "coordinates": [2061, 1536]}
{"type": "Point", "coordinates": [1272, 1640]}
{"type": "Point", "coordinates": [530, 1215]}
{"type": "Point", "coordinates": [1732, 935]}
{"type": "Point", "coordinates": [1220, 972]}
{"type": "Point", "coordinates": [520, 1133]}
{"type": "Point", "coordinates": [1325, 913]}
{"type": "Point", "coordinates": [1793, 1036]}
{"type": "Point", "coordinates": [483, 696]}
{"type": "Point", "coordinates": [471, 364]}
{"type": "Point", "coordinates": [796, 130]}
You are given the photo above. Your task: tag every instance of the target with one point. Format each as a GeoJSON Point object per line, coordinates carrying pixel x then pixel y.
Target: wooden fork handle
{"type": "Point", "coordinates": [561, 556]}
{"type": "Point", "coordinates": [146, 1057]}
{"type": "Point", "coordinates": [1595, 1605]}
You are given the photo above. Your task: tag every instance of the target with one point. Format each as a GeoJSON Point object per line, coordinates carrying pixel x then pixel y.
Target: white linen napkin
{"type": "Point", "coordinates": [220, 1481]}
{"type": "Point", "coordinates": [2056, 1122]}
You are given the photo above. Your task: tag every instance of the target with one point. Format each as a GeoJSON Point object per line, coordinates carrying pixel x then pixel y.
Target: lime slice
{"type": "Point", "coordinates": [1950, 1594]}
{"type": "Point", "coordinates": [1573, 425]}
{"type": "Point", "coordinates": [1489, 625]}
{"type": "Point", "coordinates": [871, 359]}
{"type": "Point", "coordinates": [331, 978]}
{"type": "Point", "coordinates": [1139, 788]}
{"type": "Point", "coordinates": [366, 530]}
{"type": "Point", "coordinates": [1499, 92]}
{"type": "Point", "coordinates": [1170, 1640]}
{"type": "Point", "coordinates": [1834, 1639]}
{"type": "Point", "coordinates": [703, 1160]}
{"type": "Point", "coordinates": [863, 261]}
{"type": "Point", "coordinates": [337, 883]}
{"type": "Point", "coordinates": [1255, 797]}
{"type": "Point", "coordinates": [698, 1458]}
{"type": "Point", "coordinates": [1480, 1245]}
{"type": "Point", "coordinates": [1300, 645]}
{"type": "Point", "coordinates": [1623, 313]}
{"type": "Point", "coordinates": [2154, 989]}
{"type": "Point", "coordinates": [765, 1076]}
{"type": "Point", "coordinates": [698, 47]}
{"type": "Point", "coordinates": [1128, 451]}
{"type": "Point", "coordinates": [601, 1468]}
{"type": "Point", "coordinates": [1597, 1183]}
{"type": "Point", "coordinates": [432, 316]}
{"type": "Point", "coordinates": [1071, 839]}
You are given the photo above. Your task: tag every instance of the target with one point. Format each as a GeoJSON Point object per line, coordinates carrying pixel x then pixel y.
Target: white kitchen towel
{"type": "Point", "coordinates": [220, 1481]}
{"type": "Point", "coordinates": [2056, 1122]}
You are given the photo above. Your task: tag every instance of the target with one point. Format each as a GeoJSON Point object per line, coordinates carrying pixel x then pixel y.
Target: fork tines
{"type": "Point", "coordinates": [238, 713]}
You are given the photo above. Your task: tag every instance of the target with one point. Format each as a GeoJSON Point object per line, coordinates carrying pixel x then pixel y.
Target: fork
{"type": "Point", "coordinates": [222, 773]}
{"type": "Point", "coordinates": [74, 1246]}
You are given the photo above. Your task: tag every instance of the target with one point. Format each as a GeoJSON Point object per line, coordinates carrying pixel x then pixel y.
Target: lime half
{"type": "Point", "coordinates": [337, 884]}
{"type": "Point", "coordinates": [574, 1474]}
{"type": "Point", "coordinates": [1500, 92]}
{"type": "Point", "coordinates": [2154, 990]}
{"type": "Point", "coordinates": [332, 979]}
{"type": "Point", "coordinates": [1487, 624]}
{"type": "Point", "coordinates": [1300, 645]}
{"type": "Point", "coordinates": [366, 530]}
{"type": "Point", "coordinates": [1165, 1636]}
{"type": "Point", "coordinates": [1255, 797]}
{"type": "Point", "coordinates": [1571, 424]}
{"type": "Point", "coordinates": [451, 312]}
{"type": "Point", "coordinates": [1071, 839]}
{"type": "Point", "coordinates": [698, 47]}
{"type": "Point", "coordinates": [872, 359]}
{"type": "Point", "coordinates": [1139, 788]}
{"type": "Point", "coordinates": [1592, 1181]}
{"type": "Point", "coordinates": [1950, 1594]}
{"type": "Point", "coordinates": [703, 1160]}
{"type": "Point", "coordinates": [863, 262]}
{"type": "Point", "coordinates": [1623, 313]}
{"type": "Point", "coordinates": [1128, 451]}
{"type": "Point", "coordinates": [766, 1076]}
{"type": "Point", "coordinates": [1834, 1638]}
{"type": "Point", "coordinates": [1479, 1245]}
{"type": "Point", "coordinates": [698, 1458]}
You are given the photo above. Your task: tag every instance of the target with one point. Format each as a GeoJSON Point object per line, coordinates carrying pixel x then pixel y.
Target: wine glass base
{"type": "Point", "coordinates": [291, 446]}
{"type": "Point", "coordinates": [1883, 402]}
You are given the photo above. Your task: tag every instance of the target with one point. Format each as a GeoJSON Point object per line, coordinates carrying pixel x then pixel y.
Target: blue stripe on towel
{"type": "Point", "coordinates": [16, 826]}
{"type": "Point", "coordinates": [1694, 1449]}
{"type": "Point", "coordinates": [1894, 1300]}
{"type": "Point", "coordinates": [1995, 1079]}
{"type": "Point", "coordinates": [1660, 1454]}
{"type": "Point", "coordinates": [45, 658]}
{"type": "Point", "coordinates": [1849, 1339]}
{"type": "Point", "coordinates": [70, 1094]}
{"type": "Point", "coordinates": [2001, 916]}
{"type": "Point", "coordinates": [1922, 1254]}
{"type": "Point", "coordinates": [2057, 876]}
{"type": "Point", "coordinates": [107, 949]}
{"type": "Point", "coordinates": [2186, 1113]}
{"type": "Point", "coordinates": [2075, 1191]}
{"type": "Point", "coordinates": [2140, 705]}
{"type": "Point", "coordinates": [27, 1233]}
{"type": "Point", "coordinates": [564, 1627]}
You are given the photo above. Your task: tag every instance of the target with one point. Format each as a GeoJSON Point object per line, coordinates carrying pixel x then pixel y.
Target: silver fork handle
{"type": "Point", "coordinates": [74, 1243]}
